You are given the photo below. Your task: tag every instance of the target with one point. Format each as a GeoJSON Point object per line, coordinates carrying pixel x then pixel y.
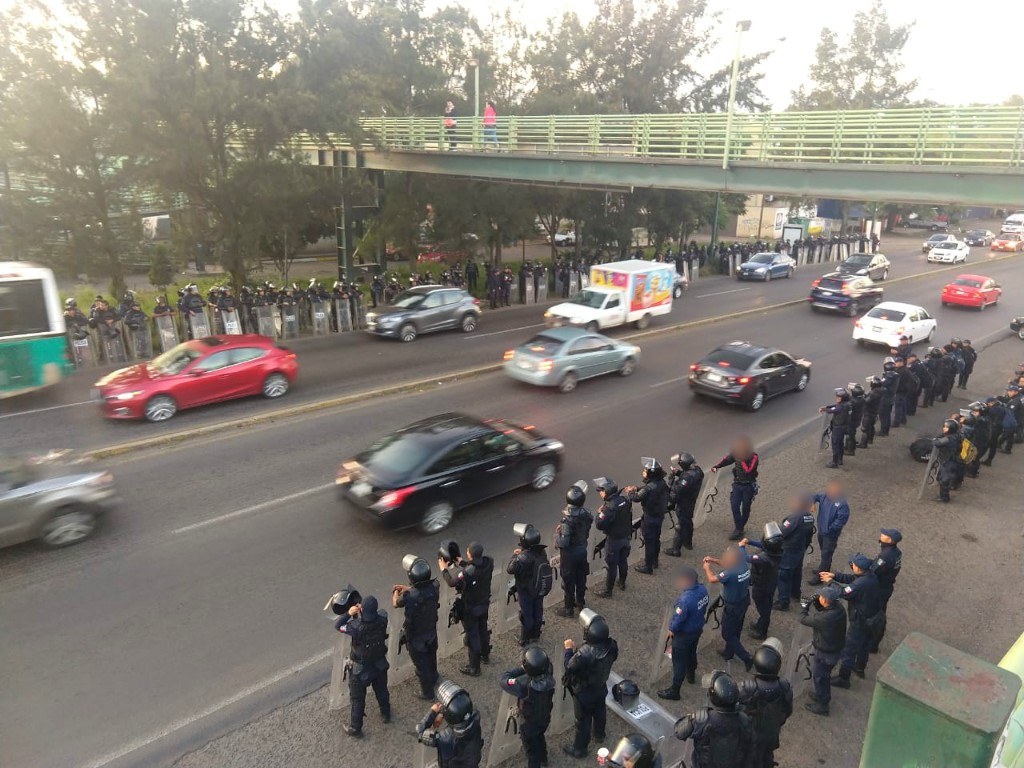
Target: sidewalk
{"type": "Point", "coordinates": [953, 587]}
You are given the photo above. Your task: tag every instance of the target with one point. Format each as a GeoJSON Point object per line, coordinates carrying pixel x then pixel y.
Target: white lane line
{"type": "Point", "coordinates": [44, 410]}
{"type": "Point", "coordinates": [471, 336]}
{"type": "Point", "coordinates": [720, 293]}
{"type": "Point", "coordinates": [670, 381]}
{"type": "Point", "coordinates": [254, 508]}
{"type": "Point", "coordinates": [178, 725]}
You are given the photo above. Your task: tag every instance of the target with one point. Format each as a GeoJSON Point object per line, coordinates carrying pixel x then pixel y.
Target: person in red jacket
{"type": "Point", "coordinates": [490, 125]}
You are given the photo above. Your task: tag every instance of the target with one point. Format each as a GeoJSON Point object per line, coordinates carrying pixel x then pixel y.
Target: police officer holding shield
{"type": "Point", "coordinates": [471, 578]}
{"type": "Point", "coordinates": [571, 537]}
{"type": "Point", "coordinates": [767, 701]}
{"type": "Point", "coordinates": [653, 498]}
{"type": "Point", "coordinates": [533, 580]}
{"type": "Point", "coordinates": [722, 735]}
{"type": "Point", "coordinates": [421, 601]}
{"type": "Point", "coordinates": [860, 590]}
{"type": "Point", "coordinates": [764, 576]}
{"type": "Point", "coordinates": [368, 663]}
{"type": "Point", "coordinates": [452, 727]}
{"type": "Point", "coordinates": [586, 676]}
{"type": "Point", "coordinates": [533, 686]}
{"type": "Point", "coordinates": [615, 520]}
{"type": "Point", "coordinates": [684, 490]}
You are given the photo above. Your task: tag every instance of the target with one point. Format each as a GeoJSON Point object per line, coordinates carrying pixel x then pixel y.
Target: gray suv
{"type": "Point", "coordinates": [424, 309]}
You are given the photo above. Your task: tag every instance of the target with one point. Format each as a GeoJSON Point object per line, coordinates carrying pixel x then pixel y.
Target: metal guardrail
{"type": "Point", "coordinates": [940, 136]}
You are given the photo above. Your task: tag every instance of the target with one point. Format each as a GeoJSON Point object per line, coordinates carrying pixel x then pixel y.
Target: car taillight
{"type": "Point", "coordinates": [815, 283]}
{"type": "Point", "coordinates": [743, 380]}
{"type": "Point", "coordinates": [395, 498]}
{"type": "Point", "coordinates": [901, 330]}
{"type": "Point", "coordinates": [290, 357]}
{"type": "Point", "coordinates": [858, 324]}
{"type": "Point", "coordinates": [846, 290]}
{"type": "Point", "coordinates": [476, 301]}
{"type": "Point", "coordinates": [545, 365]}
{"type": "Point", "coordinates": [509, 354]}
{"type": "Point", "coordinates": [693, 366]}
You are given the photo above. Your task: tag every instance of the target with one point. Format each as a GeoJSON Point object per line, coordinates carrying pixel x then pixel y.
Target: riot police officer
{"type": "Point", "coordinates": [421, 601]}
{"type": "Point", "coordinates": [797, 533]}
{"type": "Point", "coordinates": [890, 379]}
{"type": "Point", "coordinates": [872, 406]}
{"type": "Point", "coordinates": [634, 750]}
{"type": "Point", "coordinates": [745, 465]}
{"type": "Point", "coordinates": [764, 576]}
{"type": "Point", "coordinates": [981, 435]}
{"type": "Point", "coordinates": [533, 686]}
{"type": "Point", "coordinates": [586, 676]}
{"type": "Point", "coordinates": [368, 663]}
{"type": "Point", "coordinates": [452, 727]}
{"type": "Point", "coordinates": [948, 443]}
{"type": "Point", "coordinates": [684, 490]}
{"type": "Point", "coordinates": [735, 580]}
{"type": "Point", "coordinates": [722, 735]}
{"type": "Point", "coordinates": [767, 701]}
{"type": "Point", "coordinates": [685, 629]}
{"type": "Point", "coordinates": [653, 498]}
{"type": "Point", "coordinates": [858, 400]}
{"type": "Point", "coordinates": [471, 578]}
{"type": "Point", "coordinates": [162, 307]}
{"type": "Point", "coordinates": [886, 568]}
{"type": "Point", "coordinates": [840, 411]}
{"type": "Point", "coordinates": [615, 520]}
{"type": "Point", "coordinates": [825, 615]}
{"type": "Point", "coordinates": [533, 580]}
{"type": "Point", "coordinates": [571, 537]}
{"type": "Point", "coordinates": [860, 590]}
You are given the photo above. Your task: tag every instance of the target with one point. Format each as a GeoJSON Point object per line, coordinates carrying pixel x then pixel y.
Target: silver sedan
{"type": "Point", "coordinates": [561, 357]}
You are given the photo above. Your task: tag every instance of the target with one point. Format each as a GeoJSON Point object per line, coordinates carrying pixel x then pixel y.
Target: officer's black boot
{"type": "Point", "coordinates": [567, 609]}
{"type": "Point", "coordinates": [571, 751]}
{"type": "Point", "coordinates": [816, 708]}
{"type": "Point", "coordinates": [609, 583]}
{"type": "Point", "coordinates": [842, 680]}
{"type": "Point", "coordinates": [622, 583]}
{"type": "Point", "coordinates": [670, 693]}
{"type": "Point", "coordinates": [671, 552]}
{"type": "Point", "coordinates": [641, 568]}
{"type": "Point", "coordinates": [355, 733]}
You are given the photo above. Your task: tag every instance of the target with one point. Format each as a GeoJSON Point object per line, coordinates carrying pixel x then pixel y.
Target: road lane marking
{"type": "Point", "coordinates": [472, 336]}
{"type": "Point", "coordinates": [254, 508]}
{"type": "Point", "coordinates": [177, 725]}
{"type": "Point", "coordinates": [44, 410]}
{"type": "Point", "coordinates": [720, 293]}
{"type": "Point", "coordinates": [670, 381]}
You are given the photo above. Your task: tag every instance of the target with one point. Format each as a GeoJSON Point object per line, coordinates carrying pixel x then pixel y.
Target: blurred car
{"type": "Point", "coordinates": [424, 309]}
{"type": "Point", "coordinates": [955, 252]}
{"type": "Point", "coordinates": [748, 374]}
{"type": "Point", "coordinates": [55, 503]}
{"type": "Point", "coordinates": [849, 294]}
{"type": "Point", "coordinates": [890, 320]}
{"type": "Point", "coordinates": [562, 357]}
{"type": "Point", "coordinates": [679, 285]}
{"type": "Point", "coordinates": [972, 291]}
{"type": "Point", "coordinates": [873, 265]}
{"type": "Point", "coordinates": [425, 472]}
{"type": "Point", "coordinates": [980, 237]}
{"type": "Point", "coordinates": [198, 372]}
{"type": "Point", "coordinates": [564, 239]}
{"type": "Point", "coordinates": [1017, 326]}
{"type": "Point", "coordinates": [1008, 242]}
{"type": "Point", "coordinates": [766, 266]}
{"type": "Point", "coordinates": [916, 222]}
{"type": "Point", "coordinates": [935, 240]}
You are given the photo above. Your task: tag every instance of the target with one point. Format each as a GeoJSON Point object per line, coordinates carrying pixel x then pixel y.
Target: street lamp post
{"type": "Point", "coordinates": [741, 27]}
{"type": "Point", "coordinates": [475, 64]}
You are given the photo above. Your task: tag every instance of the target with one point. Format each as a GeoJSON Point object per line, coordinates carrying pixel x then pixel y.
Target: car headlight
{"type": "Point", "coordinates": [370, 317]}
{"type": "Point", "coordinates": [862, 272]}
{"type": "Point", "coordinates": [388, 320]}
{"type": "Point", "coordinates": [556, 445]}
{"type": "Point", "coordinates": [576, 320]}
{"type": "Point", "coordinates": [762, 269]}
{"type": "Point", "coordinates": [127, 395]}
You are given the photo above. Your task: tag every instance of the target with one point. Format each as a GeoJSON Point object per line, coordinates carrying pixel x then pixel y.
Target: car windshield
{"type": "Point", "coordinates": [592, 299]}
{"type": "Point", "coordinates": [175, 360]}
{"type": "Point", "coordinates": [762, 258]}
{"type": "Point", "coordinates": [1009, 238]}
{"type": "Point", "coordinates": [946, 245]}
{"type": "Point", "coordinates": [831, 283]}
{"type": "Point", "coordinates": [891, 315]}
{"type": "Point", "coordinates": [396, 455]}
{"type": "Point", "coordinates": [976, 233]}
{"type": "Point", "coordinates": [730, 358]}
{"type": "Point", "coordinates": [858, 260]}
{"type": "Point", "coordinates": [937, 238]}
{"type": "Point", "coordinates": [541, 345]}
{"type": "Point", "coordinates": [965, 281]}
{"type": "Point", "coordinates": [408, 300]}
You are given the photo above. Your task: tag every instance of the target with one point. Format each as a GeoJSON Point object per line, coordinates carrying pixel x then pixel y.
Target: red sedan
{"type": "Point", "coordinates": [197, 373]}
{"type": "Point", "coordinates": [1008, 242]}
{"type": "Point", "coordinates": [975, 291]}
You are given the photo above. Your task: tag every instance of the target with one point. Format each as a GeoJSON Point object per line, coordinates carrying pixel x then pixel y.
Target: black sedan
{"type": "Point", "coordinates": [980, 237]}
{"type": "Point", "coordinates": [748, 374]}
{"type": "Point", "coordinates": [849, 294]}
{"type": "Point", "coordinates": [421, 474]}
{"type": "Point", "coordinates": [1017, 326]}
{"type": "Point", "coordinates": [873, 265]}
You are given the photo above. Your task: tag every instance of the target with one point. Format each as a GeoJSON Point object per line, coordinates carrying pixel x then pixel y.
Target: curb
{"type": "Point", "coordinates": [300, 410]}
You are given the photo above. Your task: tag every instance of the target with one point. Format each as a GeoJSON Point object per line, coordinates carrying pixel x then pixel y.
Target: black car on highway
{"type": "Point", "coordinates": [849, 294]}
{"type": "Point", "coordinates": [423, 473]}
{"type": "Point", "coordinates": [748, 374]}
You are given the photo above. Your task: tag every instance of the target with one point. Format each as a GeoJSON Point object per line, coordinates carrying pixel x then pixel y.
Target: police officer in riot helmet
{"type": "Point", "coordinates": [615, 520]}
{"type": "Point", "coordinates": [571, 537]}
{"type": "Point", "coordinates": [586, 677]}
{"type": "Point", "coordinates": [949, 444]}
{"type": "Point", "coordinates": [471, 578]}
{"type": "Point", "coordinates": [764, 576]}
{"type": "Point", "coordinates": [684, 489]}
{"type": "Point", "coordinates": [841, 414]}
{"type": "Point", "coordinates": [653, 498]}
{"type": "Point", "coordinates": [858, 401]}
{"type": "Point", "coordinates": [768, 702]}
{"type": "Point", "coordinates": [722, 735]}
{"type": "Point", "coordinates": [368, 663]}
{"type": "Point", "coordinates": [533, 685]}
{"type": "Point", "coordinates": [872, 405]}
{"type": "Point", "coordinates": [533, 580]}
{"type": "Point", "coordinates": [452, 727]}
{"type": "Point", "coordinates": [421, 601]}
{"type": "Point", "coordinates": [634, 751]}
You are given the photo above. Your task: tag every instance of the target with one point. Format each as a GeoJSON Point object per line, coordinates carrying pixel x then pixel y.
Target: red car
{"type": "Point", "coordinates": [975, 291]}
{"type": "Point", "coordinates": [197, 373]}
{"type": "Point", "coordinates": [1009, 242]}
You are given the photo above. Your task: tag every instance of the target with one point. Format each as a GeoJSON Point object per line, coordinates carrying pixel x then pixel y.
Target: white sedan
{"type": "Point", "coordinates": [565, 239]}
{"type": "Point", "coordinates": [890, 320]}
{"type": "Point", "coordinates": [955, 252]}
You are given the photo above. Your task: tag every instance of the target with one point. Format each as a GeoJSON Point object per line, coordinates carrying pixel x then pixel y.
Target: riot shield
{"type": "Point", "coordinates": [232, 323]}
{"type": "Point", "coordinates": [798, 663]}
{"type": "Point", "coordinates": [584, 280]}
{"type": "Point", "coordinates": [529, 294]}
{"type": "Point", "coordinates": [81, 349]}
{"type": "Point", "coordinates": [337, 697]}
{"type": "Point", "coordinates": [321, 323]}
{"type": "Point", "coordinates": [289, 322]}
{"type": "Point", "coordinates": [562, 716]}
{"type": "Point", "coordinates": [358, 311]}
{"type": "Point", "coordinates": [655, 722]}
{"type": "Point", "coordinates": [344, 312]}
{"type": "Point", "coordinates": [199, 324]}
{"type": "Point", "coordinates": [706, 502]}
{"type": "Point", "coordinates": [505, 741]}
{"type": "Point", "coordinates": [113, 347]}
{"type": "Point", "coordinates": [141, 341]}
{"type": "Point", "coordinates": [449, 636]}
{"type": "Point", "coordinates": [931, 472]}
{"type": "Point", "coordinates": [825, 435]}
{"type": "Point", "coordinates": [424, 756]}
{"type": "Point", "coordinates": [508, 603]}
{"type": "Point", "coordinates": [167, 331]}
{"type": "Point", "coordinates": [216, 321]}
{"type": "Point", "coordinates": [661, 659]}
{"type": "Point", "coordinates": [574, 283]}
{"type": "Point", "coordinates": [401, 666]}
{"type": "Point", "coordinates": [265, 322]}
{"type": "Point", "coordinates": [542, 289]}
{"type": "Point", "coordinates": [713, 616]}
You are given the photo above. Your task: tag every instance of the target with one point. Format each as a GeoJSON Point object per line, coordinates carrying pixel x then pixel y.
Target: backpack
{"type": "Point", "coordinates": [543, 578]}
{"type": "Point", "coordinates": [968, 451]}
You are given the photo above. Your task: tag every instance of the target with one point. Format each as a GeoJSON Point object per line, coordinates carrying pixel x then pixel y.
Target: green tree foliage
{"type": "Point", "coordinates": [162, 269]}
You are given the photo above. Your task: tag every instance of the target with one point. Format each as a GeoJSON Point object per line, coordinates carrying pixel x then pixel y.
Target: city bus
{"type": "Point", "coordinates": [33, 340]}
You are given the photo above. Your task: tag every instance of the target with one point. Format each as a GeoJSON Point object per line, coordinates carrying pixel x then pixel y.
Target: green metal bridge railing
{"type": "Point", "coordinates": [940, 136]}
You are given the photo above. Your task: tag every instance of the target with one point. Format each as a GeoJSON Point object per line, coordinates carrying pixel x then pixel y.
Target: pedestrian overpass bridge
{"type": "Point", "coordinates": [941, 155]}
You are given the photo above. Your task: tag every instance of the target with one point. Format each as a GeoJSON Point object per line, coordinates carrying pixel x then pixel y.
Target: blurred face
{"type": "Point", "coordinates": [731, 557]}
{"type": "Point", "coordinates": [797, 503]}
{"type": "Point", "coordinates": [684, 582]}
{"type": "Point", "coordinates": [884, 539]}
{"type": "Point", "coordinates": [856, 569]}
{"type": "Point", "coordinates": [834, 489]}
{"type": "Point", "coordinates": [742, 447]}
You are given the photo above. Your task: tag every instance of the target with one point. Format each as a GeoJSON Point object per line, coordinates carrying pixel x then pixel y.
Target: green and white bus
{"type": "Point", "coordinates": [33, 339]}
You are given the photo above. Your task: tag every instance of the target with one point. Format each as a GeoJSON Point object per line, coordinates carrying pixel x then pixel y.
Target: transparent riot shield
{"type": "Point", "coordinates": [584, 280]}
{"type": "Point", "coordinates": [529, 294]}
{"type": "Point", "coordinates": [824, 435]}
{"type": "Point", "coordinates": [401, 666]}
{"type": "Point", "coordinates": [574, 283]}
{"type": "Point", "coordinates": [321, 323]}
{"type": "Point", "coordinates": [648, 717]}
{"type": "Point", "coordinates": [423, 756]}
{"type": "Point", "coordinates": [265, 322]}
{"type": "Point", "coordinates": [141, 340]}
{"type": "Point", "coordinates": [661, 659]}
{"type": "Point", "coordinates": [302, 312]}
{"type": "Point", "coordinates": [798, 663]}
{"type": "Point", "coordinates": [199, 324]}
{"type": "Point", "coordinates": [358, 311]}
{"type": "Point", "coordinates": [289, 322]}
{"type": "Point", "coordinates": [449, 633]}
{"type": "Point", "coordinates": [542, 289]}
{"type": "Point", "coordinates": [505, 742]}
{"type": "Point", "coordinates": [337, 697]}
{"type": "Point", "coordinates": [341, 307]}
{"type": "Point", "coordinates": [232, 323]}
{"type": "Point", "coordinates": [562, 717]}
{"type": "Point", "coordinates": [216, 321]}
{"type": "Point", "coordinates": [706, 502]}
{"type": "Point", "coordinates": [931, 473]}
{"type": "Point", "coordinates": [167, 331]}
{"type": "Point", "coordinates": [113, 346]}
{"type": "Point", "coordinates": [81, 349]}
{"type": "Point", "coordinates": [712, 617]}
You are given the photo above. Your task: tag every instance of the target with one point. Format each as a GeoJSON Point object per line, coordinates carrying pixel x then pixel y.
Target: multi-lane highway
{"type": "Point", "coordinates": [203, 592]}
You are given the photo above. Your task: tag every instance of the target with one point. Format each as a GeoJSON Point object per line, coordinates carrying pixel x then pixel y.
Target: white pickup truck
{"type": "Point", "coordinates": [620, 292]}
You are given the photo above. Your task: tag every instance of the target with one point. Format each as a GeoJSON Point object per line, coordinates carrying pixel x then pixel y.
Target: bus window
{"type": "Point", "coordinates": [23, 308]}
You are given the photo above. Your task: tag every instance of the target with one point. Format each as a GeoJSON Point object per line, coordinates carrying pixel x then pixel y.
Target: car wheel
{"type": "Point", "coordinates": [860, 342]}
{"type": "Point", "coordinates": [543, 476]}
{"type": "Point", "coordinates": [885, 274]}
{"type": "Point", "coordinates": [628, 366]}
{"type": "Point", "coordinates": [407, 332]}
{"type": "Point", "coordinates": [854, 309]}
{"type": "Point", "coordinates": [275, 385]}
{"type": "Point", "coordinates": [929, 336]}
{"type": "Point", "coordinates": [789, 274]}
{"type": "Point", "coordinates": [68, 526]}
{"type": "Point", "coordinates": [592, 327]}
{"type": "Point", "coordinates": [801, 383]}
{"type": "Point", "coordinates": [160, 408]}
{"type": "Point", "coordinates": [469, 323]}
{"type": "Point", "coordinates": [677, 292]}
{"type": "Point", "coordinates": [757, 401]}
{"type": "Point", "coordinates": [1020, 333]}
{"type": "Point", "coordinates": [981, 307]}
{"type": "Point", "coordinates": [945, 303]}
{"type": "Point", "coordinates": [568, 382]}
{"type": "Point", "coordinates": [437, 517]}
{"type": "Point", "coordinates": [768, 276]}
{"type": "Point", "coordinates": [643, 322]}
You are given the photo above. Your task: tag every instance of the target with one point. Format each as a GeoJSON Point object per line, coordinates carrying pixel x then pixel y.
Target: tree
{"type": "Point", "coordinates": [162, 269]}
{"type": "Point", "coordinates": [861, 71]}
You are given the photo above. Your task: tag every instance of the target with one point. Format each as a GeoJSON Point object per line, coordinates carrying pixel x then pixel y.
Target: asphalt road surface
{"type": "Point", "coordinates": [203, 593]}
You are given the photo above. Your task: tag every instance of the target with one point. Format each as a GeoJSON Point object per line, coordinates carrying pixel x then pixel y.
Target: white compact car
{"type": "Point", "coordinates": [955, 252]}
{"type": "Point", "coordinates": [890, 320]}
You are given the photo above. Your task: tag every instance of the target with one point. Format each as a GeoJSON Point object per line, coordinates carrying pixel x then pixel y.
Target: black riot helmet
{"type": "Point", "coordinates": [723, 693]}
{"type": "Point", "coordinates": [772, 538]}
{"type": "Point", "coordinates": [70, 304]}
{"type": "Point", "coordinates": [634, 750]}
{"type": "Point", "coordinates": [768, 658]}
{"type": "Point", "coordinates": [417, 569]}
{"type": "Point", "coordinates": [934, 352]}
{"type": "Point", "coordinates": [448, 551]}
{"type": "Point", "coordinates": [341, 601]}
{"type": "Point", "coordinates": [606, 486]}
{"type": "Point", "coordinates": [576, 496]}
{"type": "Point", "coordinates": [889, 365]}
{"type": "Point", "coordinates": [978, 407]}
{"type": "Point", "coordinates": [855, 389]}
{"type": "Point", "coordinates": [652, 467]}
{"type": "Point", "coordinates": [874, 382]}
{"type": "Point", "coordinates": [970, 421]}
{"type": "Point", "coordinates": [684, 460]}
{"type": "Point", "coordinates": [626, 693]}
{"type": "Point", "coordinates": [951, 425]}
{"type": "Point", "coordinates": [595, 628]}
{"type": "Point", "coordinates": [842, 395]}
{"type": "Point", "coordinates": [456, 705]}
{"type": "Point", "coordinates": [535, 660]}
{"type": "Point", "coordinates": [528, 535]}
